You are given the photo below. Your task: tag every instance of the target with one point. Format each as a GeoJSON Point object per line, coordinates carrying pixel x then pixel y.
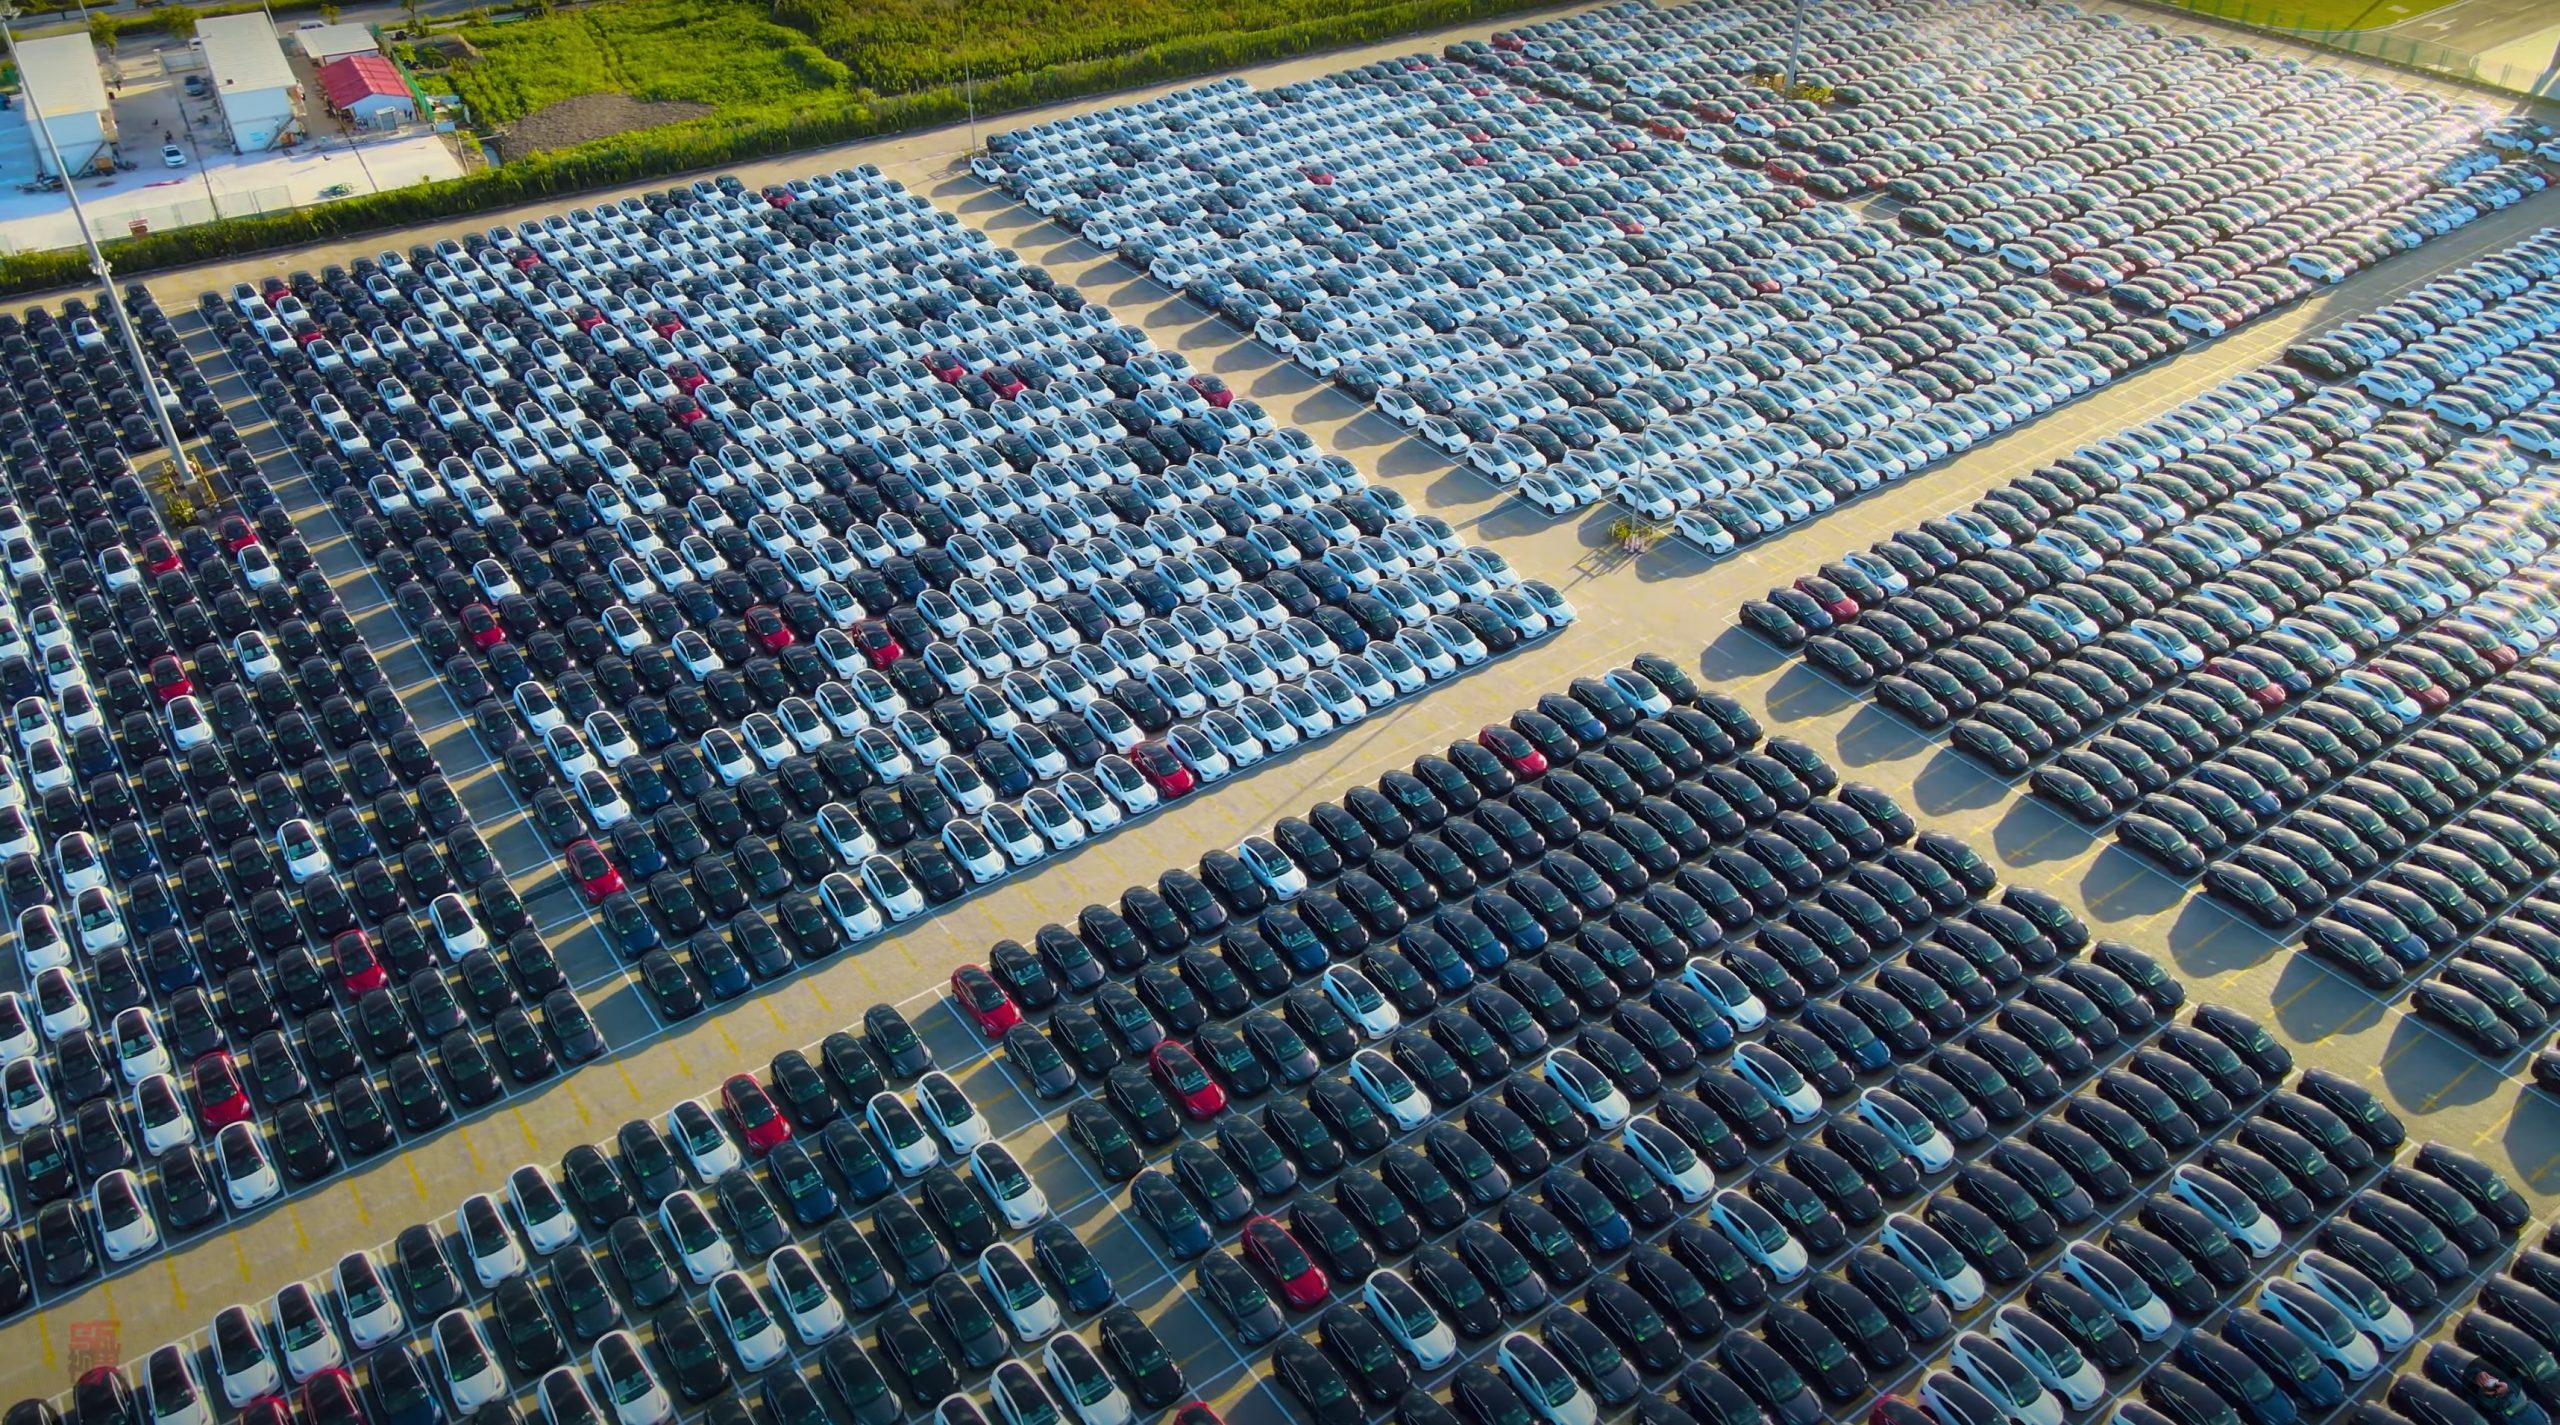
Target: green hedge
{"type": "Point", "coordinates": [722, 140]}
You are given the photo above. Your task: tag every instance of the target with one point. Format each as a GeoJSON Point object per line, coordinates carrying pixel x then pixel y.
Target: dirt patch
{"type": "Point", "coordinates": [587, 118]}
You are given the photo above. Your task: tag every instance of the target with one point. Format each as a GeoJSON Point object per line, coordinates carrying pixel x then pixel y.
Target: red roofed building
{"type": "Point", "coordinates": [369, 91]}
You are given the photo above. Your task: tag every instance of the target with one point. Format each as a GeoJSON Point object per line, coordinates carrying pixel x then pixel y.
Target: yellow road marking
{"type": "Point", "coordinates": [625, 1071]}
{"type": "Point", "coordinates": [177, 1293]}
{"type": "Point", "coordinates": [578, 1101]}
{"type": "Point", "coordinates": [530, 1140]}
{"type": "Point", "coordinates": [241, 1255]}
{"type": "Point", "coordinates": [300, 1236]}
{"type": "Point", "coordinates": [770, 1009]}
{"type": "Point", "coordinates": [2450, 1085]}
{"type": "Point", "coordinates": [44, 1329]}
{"type": "Point", "coordinates": [684, 1065]}
{"type": "Point", "coordinates": [2288, 1001]}
{"type": "Point", "coordinates": [364, 1214]}
{"type": "Point", "coordinates": [473, 1149]}
{"type": "Point", "coordinates": [417, 1179]}
{"type": "Point", "coordinates": [820, 996]}
{"type": "Point", "coordinates": [729, 1039]}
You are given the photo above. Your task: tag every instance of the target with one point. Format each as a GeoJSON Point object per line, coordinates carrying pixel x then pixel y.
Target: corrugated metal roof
{"type": "Point", "coordinates": [244, 54]}
{"type": "Point", "coordinates": [360, 76]}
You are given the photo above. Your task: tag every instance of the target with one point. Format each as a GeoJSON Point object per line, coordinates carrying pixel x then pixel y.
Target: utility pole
{"type": "Point", "coordinates": [1795, 48]}
{"type": "Point", "coordinates": [968, 73]}
{"type": "Point", "coordinates": [97, 259]}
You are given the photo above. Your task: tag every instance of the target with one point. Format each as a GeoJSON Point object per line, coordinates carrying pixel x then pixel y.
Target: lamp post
{"type": "Point", "coordinates": [1795, 48]}
{"type": "Point", "coordinates": [97, 259]}
{"type": "Point", "coordinates": [968, 75]}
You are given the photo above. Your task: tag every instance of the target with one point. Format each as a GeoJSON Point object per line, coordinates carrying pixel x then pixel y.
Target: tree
{"type": "Point", "coordinates": [102, 31]}
{"type": "Point", "coordinates": [534, 9]}
{"type": "Point", "coordinates": [178, 20]}
{"type": "Point", "coordinates": [410, 8]}
{"type": "Point", "coordinates": [329, 14]}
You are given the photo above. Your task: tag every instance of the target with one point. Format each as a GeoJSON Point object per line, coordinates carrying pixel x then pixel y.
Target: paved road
{"type": "Point", "coordinates": [1668, 601]}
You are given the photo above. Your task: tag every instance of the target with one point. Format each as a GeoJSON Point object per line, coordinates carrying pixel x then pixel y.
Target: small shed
{"type": "Point", "coordinates": [369, 91]}
{"type": "Point", "coordinates": [322, 43]}
{"type": "Point", "coordinates": [62, 83]}
{"type": "Point", "coordinates": [252, 84]}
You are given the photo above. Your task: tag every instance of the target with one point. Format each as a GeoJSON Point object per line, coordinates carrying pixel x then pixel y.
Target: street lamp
{"type": "Point", "coordinates": [97, 260]}
{"type": "Point", "coordinates": [968, 77]}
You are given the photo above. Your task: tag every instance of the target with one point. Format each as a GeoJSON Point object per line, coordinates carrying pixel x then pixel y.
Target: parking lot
{"type": "Point", "coordinates": [1668, 600]}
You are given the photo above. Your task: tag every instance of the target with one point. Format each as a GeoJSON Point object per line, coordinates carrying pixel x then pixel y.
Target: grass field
{"type": "Point", "coordinates": [719, 52]}
{"type": "Point", "coordinates": [2314, 14]}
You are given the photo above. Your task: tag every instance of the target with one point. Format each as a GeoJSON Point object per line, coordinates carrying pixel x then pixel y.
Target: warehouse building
{"type": "Point", "coordinates": [368, 91]}
{"type": "Point", "coordinates": [63, 84]}
{"type": "Point", "coordinates": [253, 85]}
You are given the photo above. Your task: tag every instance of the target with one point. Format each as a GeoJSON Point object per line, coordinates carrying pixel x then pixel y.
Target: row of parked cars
{"type": "Point", "coordinates": [259, 933]}
{"type": "Point", "coordinates": [791, 612]}
{"type": "Point", "coordinates": [1645, 1066]}
{"type": "Point", "coordinates": [1593, 280]}
{"type": "Point", "coordinates": [851, 1209]}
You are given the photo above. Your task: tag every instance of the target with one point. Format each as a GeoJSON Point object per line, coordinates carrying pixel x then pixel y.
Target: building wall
{"type": "Point", "coordinates": [80, 137]}
{"type": "Point", "coordinates": [382, 112]}
{"type": "Point", "coordinates": [257, 118]}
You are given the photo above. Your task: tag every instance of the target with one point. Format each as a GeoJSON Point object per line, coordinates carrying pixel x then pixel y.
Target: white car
{"type": "Point", "coordinates": [548, 1223]}
{"type": "Point", "coordinates": [171, 1390]}
{"type": "Point", "coordinates": [901, 1137]}
{"type": "Point", "coordinates": [1016, 1197]}
{"type": "Point", "coordinates": [1027, 1306]}
{"type": "Point", "coordinates": [1402, 1313]}
{"type": "Point", "coordinates": [1389, 1089]}
{"type": "Point", "coordinates": [300, 847]}
{"type": "Point", "coordinates": [753, 1334]}
{"type": "Point", "coordinates": [1586, 1088]}
{"type": "Point", "coordinates": [240, 1355]}
{"type": "Point", "coordinates": [1993, 1369]}
{"type": "Point", "coordinates": [172, 156]}
{"type": "Point", "coordinates": [472, 1375]}
{"type": "Point", "coordinates": [41, 944]}
{"type": "Point", "coordinates": [249, 1177]}
{"type": "Point", "coordinates": [455, 926]}
{"type": "Point", "coordinates": [2227, 1207]}
{"type": "Point", "coordinates": [813, 1311]}
{"type": "Point", "coordinates": [30, 1103]}
{"type": "Point", "coordinates": [1542, 1380]}
{"type": "Point", "coordinates": [139, 1052]}
{"type": "Point", "coordinates": [160, 1108]}
{"type": "Point", "coordinates": [1668, 1159]}
{"type": "Point", "coordinates": [705, 1253]}
{"type": "Point", "coordinates": [488, 1242]}
{"type": "Point", "coordinates": [2117, 1287]}
{"type": "Point", "coordinates": [309, 1343]}
{"type": "Point", "coordinates": [2330, 1333]}
{"type": "Point", "coordinates": [2044, 1350]}
{"type": "Point", "coordinates": [1907, 1127]}
{"type": "Point", "coordinates": [1082, 1384]}
{"type": "Point", "coordinates": [122, 1212]}
{"type": "Point", "coordinates": [954, 1118]}
{"type": "Point", "coordinates": [17, 1031]}
{"type": "Point", "coordinates": [1018, 1396]}
{"type": "Point", "coordinates": [2357, 1297]}
{"type": "Point", "coordinates": [1778, 1081]}
{"type": "Point", "coordinates": [629, 1388]}
{"type": "Point", "coordinates": [1758, 1234]}
{"type": "Point", "coordinates": [60, 1007]}
{"type": "Point", "coordinates": [373, 1313]}
{"type": "Point", "coordinates": [1273, 868]}
{"type": "Point", "coordinates": [890, 889]}
{"type": "Point", "coordinates": [1725, 990]}
{"type": "Point", "coordinates": [1360, 1001]}
{"type": "Point", "coordinates": [698, 1136]}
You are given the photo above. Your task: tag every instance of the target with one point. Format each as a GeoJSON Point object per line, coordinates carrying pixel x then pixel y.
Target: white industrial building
{"type": "Point", "coordinates": [323, 43]}
{"type": "Point", "coordinates": [253, 85]}
{"type": "Point", "coordinates": [62, 84]}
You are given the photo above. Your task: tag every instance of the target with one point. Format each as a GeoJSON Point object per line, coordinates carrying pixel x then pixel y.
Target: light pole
{"type": "Point", "coordinates": [968, 76]}
{"type": "Point", "coordinates": [97, 260]}
{"type": "Point", "coordinates": [1795, 49]}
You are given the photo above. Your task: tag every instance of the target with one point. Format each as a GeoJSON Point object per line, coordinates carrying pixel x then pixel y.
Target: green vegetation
{"type": "Point", "coordinates": [718, 52]}
{"type": "Point", "coordinates": [2313, 15]}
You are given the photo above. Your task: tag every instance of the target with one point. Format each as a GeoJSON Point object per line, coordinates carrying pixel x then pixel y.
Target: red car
{"type": "Point", "coordinates": [945, 367]}
{"type": "Point", "coordinates": [1196, 1413]}
{"type": "Point", "coordinates": [1894, 1410]}
{"type": "Point", "coordinates": [595, 873]}
{"type": "Point", "coordinates": [329, 1398]}
{"type": "Point", "coordinates": [1278, 1256]}
{"type": "Point", "coordinates": [159, 556]}
{"type": "Point", "coordinates": [765, 622]}
{"type": "Point", "coordinates": [1163, 770]}
{"type": "Point", "coordinates": [665, 323]}
{"type": "Point", "coordinates": [236, 534]}
{"type": "Point", "coordinates": [1835, 600]}
{"type": "Point", "coordinates": [359, 969]}
{"type": "Point", "coordinates": [482, 626]}
{"type": "Point", "coordinates": [1515, 751]}
{"type": "Point", "coordinates": [1213, 390]}
{"type": "Point", "coordinates": [221, 1099]}
{"type": "Point", "coordinates": [751, 1108]}
{"type": "Point", "coordinates": [169, 678]}
{"type": "Point", "coordinates": [984, 1001]}
{"type": "Point", "coordinates": [689, 377]}
{"type": "Point", "coordinates": [877, 643]}
{"type": "Point", "coordinates": [266, 1410]}
{"type": "Point", "coordinates": [1182, 1076]}
{"type": "Point", "coordinates": [2261, 689]}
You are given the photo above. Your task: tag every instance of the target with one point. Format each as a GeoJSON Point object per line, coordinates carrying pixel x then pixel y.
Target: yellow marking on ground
{"type": "Point", "coordinates": [177, 1293]}
{"type": "Point", "coordinates": [417, 1179]}
{"type": "Point", "coordinates": [627, 1083]}
{"type": "Point", "coordinates": [364, 1214]}
{"type": "Point", "coordinates": [2429, 1106]}
{"type": "Point", "coordinates": [473, 1149]}
{"type": "Point", "coordinates": [240, 1254]}
{"type": "Point", "coordinates": [578, 1101]}
{"type": "Point", "coordinates": [684, 1065]}
{"type": "Point", "coordinates": [771, 1009]}
{"type": "Point", "coordinates": [865, 971]}
{"type": "Point", "coordinates": [2288, 1001]}
{"type": "Point", "coordinates": [731, 1040]}
{"type": "Point", "coordinates": [299, 1235]}
{"type": "Point", "coordinates": [820, 996]}
{"type": "Point", "coordinates": [531, 1140]}
{"type": "Point", "coordinates": [2544, 1169]}
{"type": "Point", "coordinates": [44, 1329]}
